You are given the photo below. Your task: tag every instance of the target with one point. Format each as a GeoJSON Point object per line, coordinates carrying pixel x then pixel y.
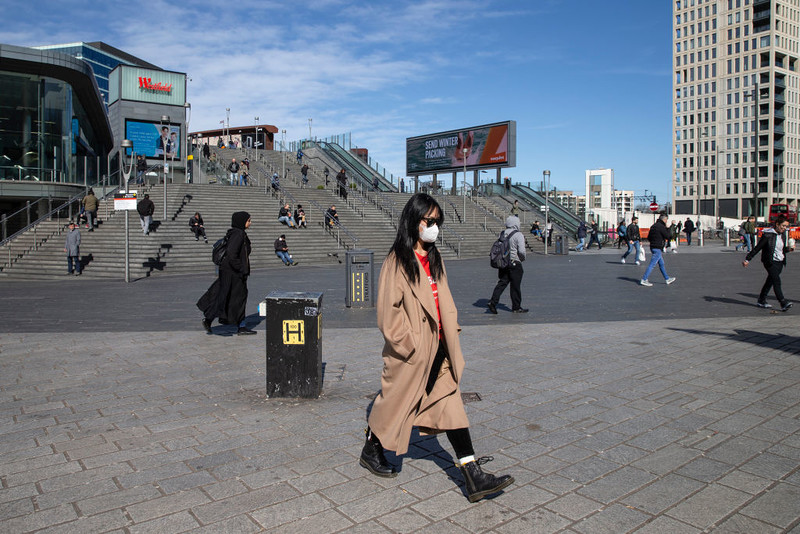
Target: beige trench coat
{"type": "Point", "coordinates": [407, 318]}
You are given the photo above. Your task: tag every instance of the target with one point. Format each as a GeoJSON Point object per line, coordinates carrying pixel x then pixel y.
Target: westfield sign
{"type": "Point", "coordinates": [147, 84]}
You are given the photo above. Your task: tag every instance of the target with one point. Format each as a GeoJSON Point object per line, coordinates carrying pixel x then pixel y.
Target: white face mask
{"type": "Point", "coordinates": [429, 234]}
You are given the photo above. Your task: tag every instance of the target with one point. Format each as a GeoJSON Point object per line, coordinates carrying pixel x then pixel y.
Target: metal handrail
{"type": "Point", "coordinates": [445, 230]}
{"type": "Point", "coordinates": [339, 228]}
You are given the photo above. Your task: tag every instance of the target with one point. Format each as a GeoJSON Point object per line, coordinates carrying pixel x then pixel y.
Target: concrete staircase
{"type": "Point", "coordinates": [369, 220]}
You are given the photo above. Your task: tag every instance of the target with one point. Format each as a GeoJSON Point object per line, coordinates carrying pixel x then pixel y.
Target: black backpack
{"type": "Point", "coordinates": [219, 250]}
{"type": "Point", "coordinates": [499, 255]}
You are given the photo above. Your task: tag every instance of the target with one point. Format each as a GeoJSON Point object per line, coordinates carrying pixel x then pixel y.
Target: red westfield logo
{"type": "Point", "coordinates": [148, 85]}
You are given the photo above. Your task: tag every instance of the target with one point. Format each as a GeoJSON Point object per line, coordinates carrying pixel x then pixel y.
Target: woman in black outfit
{"type": "Point", "coordinates": [773, 245]}
{"type": "Point", "coordinates": [226, 299]}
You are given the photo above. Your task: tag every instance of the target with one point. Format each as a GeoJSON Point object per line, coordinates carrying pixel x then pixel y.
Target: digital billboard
{"type": "Point", "coordinates": [490, 145]}
{"type": "Point", "coordinates": [151, 139]}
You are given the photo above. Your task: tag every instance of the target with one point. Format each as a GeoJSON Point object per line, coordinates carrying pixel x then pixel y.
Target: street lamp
{"type": "Point", "coordinates": [187, 115]}
{"type": "Point", "coordinates": [309, 129]}
{"type": "Point", "coordinates": [546, 209]}
{"type": "Point", "coordinates": [255, 125]}
{"type": "Point", "coordinates": [126, 175]}
{"type": "Point", "coordinates": [164, 119]}
{"type": "Point", "coordinates": [228, 119]}
{"type": "Point", "coordinates": [283, 149]}
{"type": "Point", "coordinates": [464, 187]}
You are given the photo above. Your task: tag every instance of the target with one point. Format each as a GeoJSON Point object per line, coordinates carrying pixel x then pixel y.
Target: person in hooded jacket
{"type": "Point", "coordinates": [513, 273]}
{"type": "Point", "coordinates": [773, 245]}
{"type": "Point", "coordinates": [581, 237]}
{"type": "Point", "coordinates": [226, 299]}
{"type": "Point", "coordinates": [422, 359]}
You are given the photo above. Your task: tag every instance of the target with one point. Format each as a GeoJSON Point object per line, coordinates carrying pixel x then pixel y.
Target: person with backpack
{"type": "Point", "coordinates": [512, 272]}
{"type": "Point", "coordinates": [226, 299]}
{"type": "Point", "coordinates": [91, 203]}
{"type": "Point", "coordinates": [146, 208]}
{"type": "Point", "coordinates": [621, 233]}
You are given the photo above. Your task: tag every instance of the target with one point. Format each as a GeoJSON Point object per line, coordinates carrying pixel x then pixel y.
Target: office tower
{"type": "Point", "coordinates": [735, 106]}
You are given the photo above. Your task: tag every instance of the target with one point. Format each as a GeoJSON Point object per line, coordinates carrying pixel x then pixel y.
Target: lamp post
{"type": "Point", "coordinates": [228, 122]}
{"type": "Point", "coordinates": [187, 115]}
{"type": "Point", "coordinates": [164, 119]}
{"type": "Point", "coordinates": [126, 176]}
{"type": "Point", "coordinates": [309, 129]}
{"type": "Point", "coordinates": [283, 150]}
{"type": "Point", "coordinates": [255, 125]}
{"type": "Point", "coordinates": [464, 187]}
{"type": "Point", "coordinates": [546, 209]}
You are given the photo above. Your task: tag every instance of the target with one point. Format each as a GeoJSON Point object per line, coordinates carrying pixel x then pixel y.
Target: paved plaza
{"type": "Point", "coordinates": [616, 407]}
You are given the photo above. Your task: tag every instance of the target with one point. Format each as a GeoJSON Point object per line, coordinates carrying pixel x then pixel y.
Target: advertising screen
{"type": "Point", "coordinates": [151, 138]}
{"type": "Point", "coordinates": [490, 145]}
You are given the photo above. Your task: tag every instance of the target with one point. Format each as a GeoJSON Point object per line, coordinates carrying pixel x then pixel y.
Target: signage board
{"type": "Point", "coordinates": [125, 200]}
{"type": "Point", "coordinates": [487, 146]}
{"type": "Point", "coordinates": [151, 138]}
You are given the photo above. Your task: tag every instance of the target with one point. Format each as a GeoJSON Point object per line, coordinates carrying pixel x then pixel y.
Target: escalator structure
{"type": "Point", "coordinates": [357, 170]}
{"type": "Point", "coordinates": [559, 215]}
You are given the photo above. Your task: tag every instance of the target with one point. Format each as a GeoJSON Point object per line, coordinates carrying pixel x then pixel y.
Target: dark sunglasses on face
{"type": "Point", "coordinates": [430, 221]}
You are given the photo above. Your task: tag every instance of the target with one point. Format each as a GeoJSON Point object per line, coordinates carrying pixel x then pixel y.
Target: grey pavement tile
{"type": "Point", "coordinates": [785, 451]}
{"type": "Point", "coordinates": [662, 494]}
{"type": "Point", "coordinates": [623, 454]}
{"type": "Point", "coordinates": [322, 523]}
{"type": "Point", "coordinates": [770, 466]}
{"type": "Point", "coordinates": [740, 524]}
{"type": "Point", "coordinates": [377, 504]}
{"type": "Point", "coordinates": [705, 469]}
{"type": "Point", "coordinates": [186, 482]}
{"type": "Point", "coordinates": [614, 519]}
{"type": "Point", "coordinates": [538, 521]}
{"type": "Point", "coordinates": [316, 481]}
{"type": "Point", "coordinates": [557, 484]}
{"type": "Point", "coordinates": [241, 524]}
{"type": "Point", "coordinates": [584, 471]}
{"type": "Point", "coordinates": [273, 516]}
{"type": "Point", "coordinates": [177, 522]}
{"type": "Point", "coordinates": [487, 516]}
{"type": "Point", "coordinates": [35, 475]}
{"type": "Point", "coordinates": [617, 484]}
{"type": "Point", "coordinates": [117, 499]}
{"type": "Point", "coordinates": [12, 509]}
{"type": "Point", "coordinates": [243, 503]}
{"type": "Point", "coordinates": [18, 492]}
{"type": "Point", "coordinates": [149, 476]}
{"type": "Point", "coordinates": [40, 519]}
{"type": "Point", "coordinates": [709, 506]}
{"type": "Point", "coordinates": [166, 505]}
{"type": "Point", "coordinates": [75, 492]}
{"type": "Point", "coordinates": [571, 454]}
{"type": "Point", "coordinates": [574, 507]}
{"type": "Point", "coordinates": [663, 524]}
{"type": "Point", "coordinates": [404, 520]}
{"type": "Point", "coordinates": [737, 450]}
{"type": "Point", "coordinates": [667, 459]}
{"type": "Point", "coordinates": [523, 497]}
{"type": "Point", "coordinates": [105, 522]}
{"type": "Point", "coordinates": [746, 482]}
{"type": "Point", "coordinates": [777, 506]}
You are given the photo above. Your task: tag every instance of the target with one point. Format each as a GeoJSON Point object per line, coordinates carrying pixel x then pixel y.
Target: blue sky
{"type": "Point", "coordinates": [588, 82]}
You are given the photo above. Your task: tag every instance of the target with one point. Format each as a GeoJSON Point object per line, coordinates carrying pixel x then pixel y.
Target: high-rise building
{"type": "Point", "coordinates": [735, 106]}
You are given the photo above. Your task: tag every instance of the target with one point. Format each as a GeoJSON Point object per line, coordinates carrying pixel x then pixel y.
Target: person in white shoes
{"type": "Point", "coordinates": [658, 236]}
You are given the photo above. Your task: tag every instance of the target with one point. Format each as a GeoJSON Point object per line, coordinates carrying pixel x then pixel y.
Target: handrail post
{"type": "Point", "coordinates": [28, 211]}
{"type": "Point", "coordinates": [5, 227]}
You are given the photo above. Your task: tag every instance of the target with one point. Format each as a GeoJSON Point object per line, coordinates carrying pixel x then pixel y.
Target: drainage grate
{"type": "Point", "coordinates": [470, 397]}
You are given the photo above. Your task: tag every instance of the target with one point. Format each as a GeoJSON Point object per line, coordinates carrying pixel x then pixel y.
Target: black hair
{"type": "Point", "coordinates": [408, 234]}
{"type": "Point", "coordinates": [780, 219]}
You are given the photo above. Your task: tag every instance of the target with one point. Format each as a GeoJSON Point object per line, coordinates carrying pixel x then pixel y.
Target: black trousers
{"type": "Point", "coordinates": [773, 282]}
{"type": "Point", "coordinates": [511, 275]}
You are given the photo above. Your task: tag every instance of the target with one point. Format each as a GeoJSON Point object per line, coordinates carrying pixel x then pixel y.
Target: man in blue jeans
{"type": "Point", "coordinates": [658, 236]}
{"type": "Point", "coordinates": [632, 233]}
{"type": "Point", "coordinates": [282, 251]}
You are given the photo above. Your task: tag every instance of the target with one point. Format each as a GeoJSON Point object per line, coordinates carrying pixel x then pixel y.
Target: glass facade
{"type": "Point", "coordinates": [45, 132]}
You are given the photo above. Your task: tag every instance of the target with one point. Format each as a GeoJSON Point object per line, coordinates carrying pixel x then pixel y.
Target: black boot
{"type": "Point", "coordinates": [373, 459]}
{"type": "Point", "coordinates": [480, 484]}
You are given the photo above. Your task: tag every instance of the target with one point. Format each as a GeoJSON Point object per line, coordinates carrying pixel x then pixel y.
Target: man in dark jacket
{"type": "Point", "coordinates": [146, 208]}
{"type": "Point", "coordinates": [773, 245]}
{"type": "Point", "coordinates": [658, 236]}
{"type": "Point", "coordinates": [595, 237]}
{"type": "Point", "coordinates": [688, 229]}
{"type": "Point", "coordinates": [196, 224]}
{"type": "Point", "coordinates": [226, 299]}
{"type": "Point", "coordinates": [632, 233]}
{"type": "Point", "coordinates": [141, 168]}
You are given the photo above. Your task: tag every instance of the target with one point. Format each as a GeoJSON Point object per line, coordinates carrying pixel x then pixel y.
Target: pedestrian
{"type": "Point", "coordinates": [72, 247]}
{"type": "Point", "coordinates": [658, 236]}
{"type": "Point", "coordinates": [674, 237]}
{"type": "Point", "coordinates": [327, 174]}
{"type": "Point", "coordinates": [402, 185]}
{"type": "Point", "coordinates": [141, 168]}
{"type": "Point", "coordinates": [747, 231]}
{"type": "Point", "coordinates": [514, 272]}
{"type": "Point", "coordinates": [275, 182]}
{"type": "Point", "coordinates": [233, 168]}
{"type": "Point", "coordinates": [515, 209]}
{"type": "Point", "coordinates": [535, 231]}
{"type": "Point", "coordinates": [285, 216]}
{"type": "Point", "coordinates": [773, 245]}
{"type": "Point", "coordinates": [375, 183]}
{"type": "Point", "coordinates": [422, 358]}
{"type": "Point", "coordinates": [621, 231]}
{"type": "Point", "coordinates": [304, 172]}
{"type": "Point", "coordinates": [582, 238]}
{"type": "Point", "coordinates": [341, 181]}
{"type": "Point", "coordinates": [226, 299]}
{"type": "Point", "coordinates": [246, 163]}
{"type": "Point", "coordinates": [282, 251]}
{"type": "Point", "coordinates": [331, 217]}
{"type": "Point", "coordinates": [299, 156]}
{"type": "Point", "coordinates": [633, 237]}
{"type": "Point", "coordinates": [507, 184]}
{"type": "Point", "coordinates": [196, 224]}
{"type": "Point", "coordinates": [688, 229]}
{"type": "Point", "coordinates": [300, 216]}
{"type": "Point", "coordinates": [90, 204]}
{"type": "Point", "coordinates": [595, 237]}
{"type": "Point", "coordinates": [146, 208]}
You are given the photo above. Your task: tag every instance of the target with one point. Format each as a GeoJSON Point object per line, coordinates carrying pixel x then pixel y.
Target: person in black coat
{"type": "Point", "coordinates": [658, 236]}
{"type": "Point", "coordinates": [773, 245]}
{"type": "Point", "coordinates": [226, 299]}
{"type": "Point", "coordinates": [196, 224]}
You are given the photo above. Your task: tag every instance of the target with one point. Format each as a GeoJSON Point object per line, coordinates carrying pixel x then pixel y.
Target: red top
{"type": "Point", "coordinates": [427, 266]}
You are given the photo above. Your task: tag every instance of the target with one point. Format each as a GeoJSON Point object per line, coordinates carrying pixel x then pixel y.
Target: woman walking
{"type": "Point", "coordinates": [422, 359]}
{"type": "Point", "coordinates": [773, 245]}
{"type": "Point", "coordinates": [226, 299]}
